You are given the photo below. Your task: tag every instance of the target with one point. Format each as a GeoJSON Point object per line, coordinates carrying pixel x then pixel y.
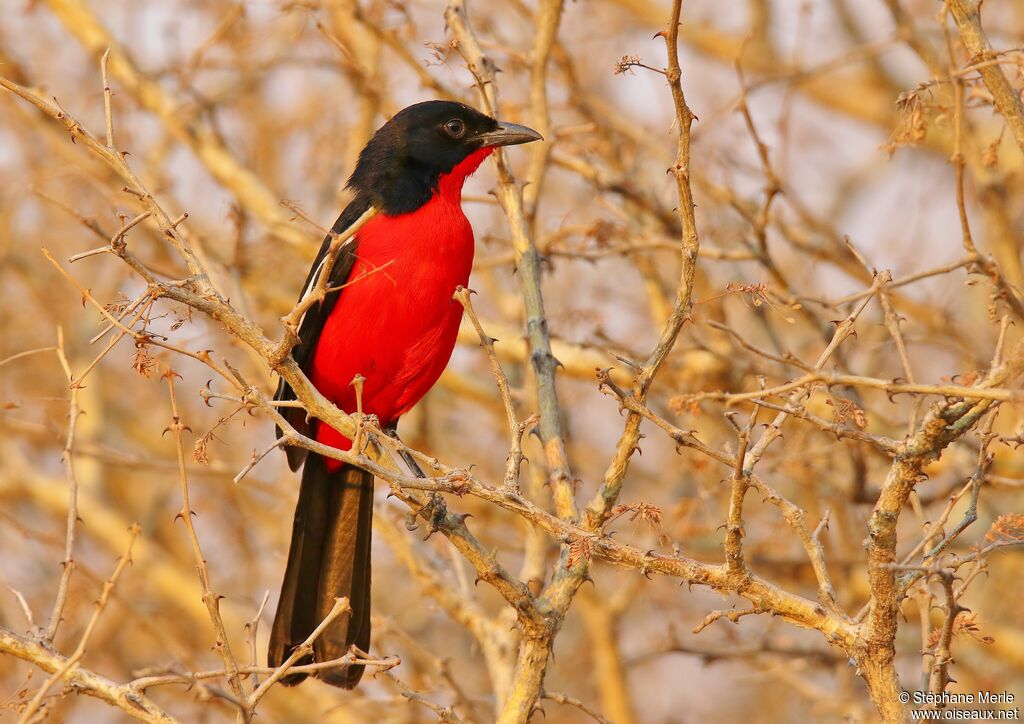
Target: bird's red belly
{"type": "Point", "coordinates": [395, 322]}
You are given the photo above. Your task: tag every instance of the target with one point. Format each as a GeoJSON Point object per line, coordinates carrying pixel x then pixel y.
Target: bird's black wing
{"type": "Point", "coordinates": [316, 316]}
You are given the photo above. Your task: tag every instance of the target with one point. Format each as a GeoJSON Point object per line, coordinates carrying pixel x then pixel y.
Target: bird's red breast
{"type": "Point", "coordinates": [395, 322]}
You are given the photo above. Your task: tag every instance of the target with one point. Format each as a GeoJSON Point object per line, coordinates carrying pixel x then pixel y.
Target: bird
{"type": "Point", "coordinates": [390, 317]}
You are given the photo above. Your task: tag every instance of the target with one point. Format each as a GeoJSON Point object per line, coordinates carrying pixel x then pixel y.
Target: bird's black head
{"type": "Point", "coordinates": [401, 166]}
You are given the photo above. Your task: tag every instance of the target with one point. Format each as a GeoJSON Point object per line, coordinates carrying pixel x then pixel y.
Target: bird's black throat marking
{"type": "Point", "coordinates": [399, 169]}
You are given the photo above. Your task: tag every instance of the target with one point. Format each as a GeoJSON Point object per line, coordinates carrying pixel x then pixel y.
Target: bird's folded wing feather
{"type": "Point", "coordinates": [313, 320]}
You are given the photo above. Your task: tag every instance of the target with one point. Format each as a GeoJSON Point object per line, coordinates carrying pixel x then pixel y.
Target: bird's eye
{"type": "Point", "coordinates": [455, 128]}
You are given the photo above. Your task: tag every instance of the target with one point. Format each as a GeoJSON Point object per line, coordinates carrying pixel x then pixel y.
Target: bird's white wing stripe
{"type": "Point", "coordinates": [315, 278]}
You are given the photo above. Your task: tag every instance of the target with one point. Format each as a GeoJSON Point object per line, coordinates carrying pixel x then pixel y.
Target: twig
{"type": "Point", "coordinates": [189, 678]}
{"type": "Point", "coordinates": [210, 598]}
{"type": "Point", "coordinates": [445, 714]}
{"type": "Point", "coordinates": [251, 630]}
{"type": "Point", "coordinates": [25, 608]}
{"type": "Point", "coordinates": [30, 711]}
{"type": "Point", "coordinates": [26, 353]}
{"type": "Point", "coordinates": [282, 441]}
{"type": "Point", "coordinates": [341, 606]}
{"type": "Point", "coordinates": [528, 272]}
{"type": "Point", "coordinates": [732, 614]}
{"type": "Point", "coordinates": [68, 563]}
{"type": "Point", "coordinates": [967, 14]}
{"type": "Point", "coordinates": [123, 697]}
{"type": "Point", "coordinates": [601, 505]}
{"type": "Point", "coordinates": [108, 116]}
{"type": "Point", "coordinates": [193, 131]}
{"type": "Point", "coordinates": [515, 429]}
{"type": "Point", "coordinates": [566, 700]}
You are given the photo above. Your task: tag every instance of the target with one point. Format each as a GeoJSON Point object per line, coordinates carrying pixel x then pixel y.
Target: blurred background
{"type": "Point", "coordinates": [248, 116]}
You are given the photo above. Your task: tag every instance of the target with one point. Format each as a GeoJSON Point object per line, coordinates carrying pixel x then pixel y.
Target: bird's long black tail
{"type": "Point", "coordinates": [329, 558]}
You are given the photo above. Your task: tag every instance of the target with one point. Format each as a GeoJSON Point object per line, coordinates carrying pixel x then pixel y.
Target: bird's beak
{"type": "Point", "coordinates": [508, 134]}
